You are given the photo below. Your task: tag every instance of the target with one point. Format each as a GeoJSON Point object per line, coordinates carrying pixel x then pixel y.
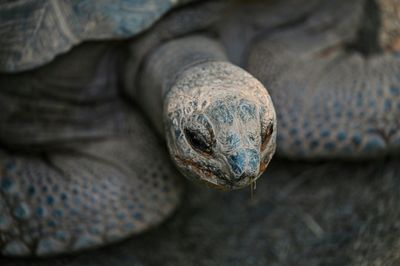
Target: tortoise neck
{"type": "Point", "coordinates": [165, 65]}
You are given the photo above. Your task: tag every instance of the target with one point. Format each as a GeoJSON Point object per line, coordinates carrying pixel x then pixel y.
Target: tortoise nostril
{"type": "Point", "coordinates": [237, 163]}
{"type": "Point", "coordinates": [244, 164]}
{"type": "Point", "coordinates": [246, 176]}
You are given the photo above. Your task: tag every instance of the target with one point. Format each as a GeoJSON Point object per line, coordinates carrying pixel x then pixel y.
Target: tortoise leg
{"type": "Point", "coordinates": [86, 194]}
{"type": "Point", "coordinates": [331, 101]}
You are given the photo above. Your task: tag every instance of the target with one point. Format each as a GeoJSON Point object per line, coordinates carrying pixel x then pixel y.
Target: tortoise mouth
{"type": "Point", "coordinates": [212, 179]}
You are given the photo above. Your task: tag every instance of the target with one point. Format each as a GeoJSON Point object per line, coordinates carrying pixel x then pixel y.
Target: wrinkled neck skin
{"type": "Point", "coordinates": [163, 67]}
{"type": "Point", "coordinates": [218, 120]}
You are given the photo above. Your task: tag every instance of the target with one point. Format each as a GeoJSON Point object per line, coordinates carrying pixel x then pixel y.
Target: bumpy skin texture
{"type": "Point", "coordinates": [86, 195]}
{"type": "Point", "coordinates": [34, 32]}
{"type": "Point", "coordinates": [331, 101]}
{"type": "Point", "coordinates": [63, 100]}
{"type": "Point", "coordinates": [219, 121]}
{"type": "Point", "coordinates": [96, 173]}
{"type": "Point", "coordinates": [239, 124]}
{"type": "Point", "coordinates": [84, 168]}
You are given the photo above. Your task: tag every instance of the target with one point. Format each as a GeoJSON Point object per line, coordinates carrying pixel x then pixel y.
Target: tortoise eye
{"type": "Point", "coordinates": [266, 135]}
{"type": "Point", "coordinates": [198, 141]}
{"type": "Point", "coordinates": [199, 133]}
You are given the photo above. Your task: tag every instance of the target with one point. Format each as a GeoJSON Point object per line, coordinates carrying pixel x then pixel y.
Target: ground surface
{"type": "Point", "coordinates": [301, 214]}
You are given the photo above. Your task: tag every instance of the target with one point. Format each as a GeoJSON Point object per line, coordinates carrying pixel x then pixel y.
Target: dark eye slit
{"type": "Point", "coordinates": [197, 141]}
{"type": "Point", "coordinates": [267, 135]}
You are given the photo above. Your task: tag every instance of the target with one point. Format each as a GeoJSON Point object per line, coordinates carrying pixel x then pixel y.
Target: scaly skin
{"type": "Point", "coordinates": [92, 181]}
{"type": "Point", "coordinates": [72, 176]}
{"type": "Point", "coordinates": [95, 180]}
{"type": "Point", "coordinates": [208, 98]}
{"type": "Point", "coordinates": [88, 195]}
{"type": "Point", "coordinates": [331, 101]}
{"type": "Point", "coordinates": [242, 124]}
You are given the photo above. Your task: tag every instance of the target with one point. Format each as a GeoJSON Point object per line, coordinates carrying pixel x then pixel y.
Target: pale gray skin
{"type": "Point", "coordinates": [81, 167]}
{"type": "Point", "coordinates": [238, 125]}
{"type": "Point", "coordinates": [223, 105]}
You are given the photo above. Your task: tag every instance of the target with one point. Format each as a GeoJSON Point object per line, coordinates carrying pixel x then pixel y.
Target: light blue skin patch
{"type": "Point", "coordinates": [375, 144]}
{"type": "Point", "coordinates": [231, 120]}
{"type": "Point", "coordinates": [341, 136]}
{"type": "Point", "coordinates": [237, 163]}
{"type": "Point", "coordinates": [395, 90]}
{"type": "Point", "coordinates": [244, 162]}
{"type": "Point", "coordinates": [387, 105]}
{"type": "Point", "coordinates": [247, 111]}
{"type": "Point", "coordinates": [222, 113]}
{"type": "Point", "coordinates": [6, 184]}
{"type": "Point", "coordinates": [22, 211]}
{"type": "Point", "coordinates": [233, 140]}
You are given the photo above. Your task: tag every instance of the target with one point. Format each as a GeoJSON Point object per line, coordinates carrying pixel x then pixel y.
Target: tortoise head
{"type": "Point", "coordinates": [220, 125]}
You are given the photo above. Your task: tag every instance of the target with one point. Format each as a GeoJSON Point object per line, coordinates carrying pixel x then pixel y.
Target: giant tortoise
{"type": "Point", "coordinates": [90, 89]}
